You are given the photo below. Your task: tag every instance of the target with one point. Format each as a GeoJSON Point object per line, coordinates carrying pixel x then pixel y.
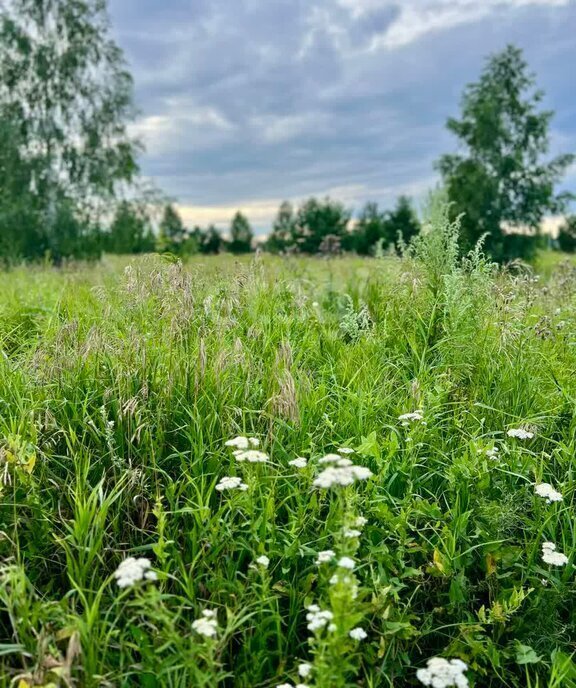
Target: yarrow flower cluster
{"type": "Point", "coordinates": [132, 570]}
{"type": "Point", "coordinates": [245, 449]}
{"type": "Point", "coordinates": [298, 462]}
{"type": "Point", "coordinates": [325, 556]}
{"type": "Point", "coordinates": [520, 433]}
{"type": "Point", "coordinates": [304, 669]}
{"type": "Point", "coordinates": [331, 458]}
{"type": "Point", "coordinates": [341, 475]}
{"type": "Point", "coordinates": [345, 450]}
{"type": "Point", "coordinates": [243, 442]}
{"type": "Point", "coordinates": [261, 562]}
{"type": "Point", "coordinates": [351, 533]}
{"type": "Point", "coordinates": [318, 619]}
{"type": "Point", "coordinates": [231, 483]}
{"type": "Point", "coordinates": [407, 418]}
{"type": "Point", "coordinates": [548, 492]}
{"type": "Point", "coordinates": [443, 673]}
{"type": "Point", "coordinates": [358, 633]}
{"type": "Point", "coordinates": [207, 624]}
{"type": "Point", "coordinates": [551, 556]}
{"type": "Point", "coordinates": [289, 685]}
{"type": "Point", "coordinates": [346, 563]}
{"type": "Point", "coordinates": [251, 456]}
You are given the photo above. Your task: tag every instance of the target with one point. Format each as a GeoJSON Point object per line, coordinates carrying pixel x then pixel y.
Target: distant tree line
{"type": "Point", "coordinates": [317, 226]}
{"type": "Point", "coordinates": [326, 226]}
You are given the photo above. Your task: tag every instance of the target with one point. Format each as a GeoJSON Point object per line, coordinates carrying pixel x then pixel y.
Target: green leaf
{"type": "Point", "coordinates": [526, 655]}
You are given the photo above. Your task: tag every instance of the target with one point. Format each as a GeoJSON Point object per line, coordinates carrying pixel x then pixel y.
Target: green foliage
{"type": "Point", "coordinates": [130, 231]}
{"type": "Point", "coordinates": [241, 234]}
{"type": "Point", "coordinates": [375, 227]}
{"type": "Point", "coordinates": [120, 384]}
{"type": "Point", "coordinates": [370, 230]}
{"type": "Point", "coordinates": [567, 235]}
{"type": "Point", "coordinates": [317, 219]}
{"type": "Point", "coordinates": [321, 226]}
{"type": "Point", "coordinates": [281, 237]}
{"type": "Point", "coordinates": [501, 178]}
{"type": "Point", "coordinates": [209, 241]}
{"type": "Point", "coordinates": [172, 231]}
{"type": "Point", "coordinates": [67, 103]}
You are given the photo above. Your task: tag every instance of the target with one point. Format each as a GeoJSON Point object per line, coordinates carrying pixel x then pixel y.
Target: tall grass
{"type": "Point", "coordinates": [119, 388]}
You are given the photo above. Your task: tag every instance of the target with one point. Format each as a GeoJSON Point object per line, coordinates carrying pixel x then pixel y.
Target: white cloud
{"type": "Point", "coordinates": [417, 18]}
{"type": "Point", "coordinates": [276, 129]}
{"type": "Point", "coordinates": [183, 126]}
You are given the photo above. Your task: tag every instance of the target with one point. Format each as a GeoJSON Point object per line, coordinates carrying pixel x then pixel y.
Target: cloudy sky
{"type": "Point", "coordinates": [247, 102]}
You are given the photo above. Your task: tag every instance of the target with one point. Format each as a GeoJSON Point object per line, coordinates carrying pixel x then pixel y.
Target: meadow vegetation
{"type": "Point", "coordinates": [288, 471]}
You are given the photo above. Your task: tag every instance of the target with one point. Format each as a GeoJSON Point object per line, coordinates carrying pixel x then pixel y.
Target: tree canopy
{"type": "Point", "coordinates": [241, 234]}
{"type": "Point", "coordinates": [66, 95]}
{"type": "Point", "coordinates": [377, 228]}
{"type": "Point", "coordinates": [501, 175]}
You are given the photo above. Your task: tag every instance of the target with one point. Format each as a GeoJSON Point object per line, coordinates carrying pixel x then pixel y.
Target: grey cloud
{"type": "Point", "coordinates": [268, 99]}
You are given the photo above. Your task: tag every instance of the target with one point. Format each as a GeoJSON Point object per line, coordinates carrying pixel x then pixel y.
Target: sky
{"type": "Point", "coordinates": [245, 103]}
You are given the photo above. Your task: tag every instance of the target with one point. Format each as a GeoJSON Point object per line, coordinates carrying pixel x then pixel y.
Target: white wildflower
{"type": "Point", "coordinates": [330, 458]}
{"type": "Point", "coordinates": [548, 492]}
{"type": "Point", "coordinates": [238, 443]}
{"type": "Point", "coordinates": [345, 462]}
{"type": "Point", "coordinates": [345, 450]}
{"type": "Point", "coordinates": [304, 669]}
{"type": "Point", "coordinates": [325, 556]}
{"type": "Point", "coordinates": [243, 443]}
{"type": "Point", "coordinates": [298, 462]}
{"type": "Point", "coordinates": [346, 563]}
{"type": "Point", "coordinates": [443, 673]}
{"type": "Point", "coordinates": [284, 685]}
{"type": "Point", "coordinates": [252, 456]}
{"type": "Point", "coordinates": [318, 618]}
{"type": "Point", "coordinates": [407, 418]}
{"type": "Point", "coordinates": [360, 521]}
{"type": "Point", "coordinates": [351, 533]}
{"type": "Point", "coordinates": [551, 556]}
{"type": "Point", "coordinates": [132, 570]}
{"type": "Point", "coordinates": [341, 475]}
{"type": "Point", "coordinates": [492, 453]}
{"type": "Point", "coordinates": [207, 624]}
{"type": "Point", "coordinates": [231, 483]}
{"type": "Point", "coordinates": [361, 472]}
{"type": "Point", "coordinates": [263, 561]}
{"type": "Point", "coordinates": [520, 433]}
{"type": "Point", "coordinates": [358, 634]}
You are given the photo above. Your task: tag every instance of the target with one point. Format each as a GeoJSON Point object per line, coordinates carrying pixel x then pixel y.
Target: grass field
{"type": "Point", "coordinates": [119, 389]}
